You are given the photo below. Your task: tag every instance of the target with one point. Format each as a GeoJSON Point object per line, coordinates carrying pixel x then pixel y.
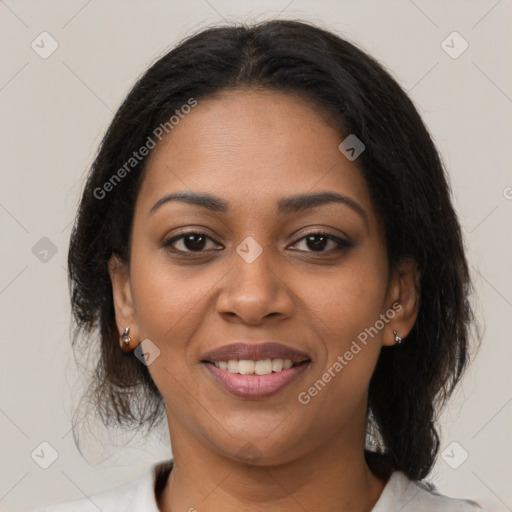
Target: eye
{"type": "Point", "coordinates": [189, 242]}
{"type": "Point", "coordinates": [196, 241]}
{"type": "Point", "coordinates": [319, 241]}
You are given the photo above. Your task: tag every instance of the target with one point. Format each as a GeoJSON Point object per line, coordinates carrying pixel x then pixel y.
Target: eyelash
{"type": "Point", "coordinates": [341, 244]}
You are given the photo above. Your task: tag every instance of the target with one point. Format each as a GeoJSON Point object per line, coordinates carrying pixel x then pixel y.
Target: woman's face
{"type": "Point", "coordinates": [251, 268]}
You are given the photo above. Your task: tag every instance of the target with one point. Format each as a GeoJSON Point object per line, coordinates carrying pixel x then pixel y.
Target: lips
{"type": "Point", "coordinates": [252, 386]}
{"type": "Point", "coordinates": [255, 352]}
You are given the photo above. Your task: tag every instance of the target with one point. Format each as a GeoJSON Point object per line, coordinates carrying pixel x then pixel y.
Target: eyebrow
{"type": "Point", "coordinates": [285, 206]}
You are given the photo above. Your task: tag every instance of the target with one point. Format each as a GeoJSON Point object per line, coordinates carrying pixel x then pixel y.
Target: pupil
{"type": "Point", "coordinates": [317, 245]}
{"type": "Point", "coordinates": [197, 242]}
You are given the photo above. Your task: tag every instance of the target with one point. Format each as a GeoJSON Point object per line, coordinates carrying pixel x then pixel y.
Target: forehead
{"type": "Point", "coordinates": [251, 148]}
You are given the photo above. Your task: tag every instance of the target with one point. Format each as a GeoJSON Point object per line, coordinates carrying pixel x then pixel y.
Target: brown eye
{"type": "Point", "coordinates": [319, 242]}
{"type": "Point", "coordinates": [188, 242]}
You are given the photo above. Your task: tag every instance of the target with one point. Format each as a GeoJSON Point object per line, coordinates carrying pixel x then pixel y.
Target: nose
{"type": "Point", "coordinates": [255, 290]}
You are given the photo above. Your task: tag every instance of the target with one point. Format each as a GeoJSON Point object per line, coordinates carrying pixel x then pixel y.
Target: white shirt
{"type": "Point", "coordinates": [399, 494]}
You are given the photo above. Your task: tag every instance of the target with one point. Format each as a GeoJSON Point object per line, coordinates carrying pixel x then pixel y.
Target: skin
{"type": "Point", "coordinates": [251, 148]}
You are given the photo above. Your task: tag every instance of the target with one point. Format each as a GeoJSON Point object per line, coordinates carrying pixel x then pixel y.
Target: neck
{"type": "Point", "coordinates": [334, 477]}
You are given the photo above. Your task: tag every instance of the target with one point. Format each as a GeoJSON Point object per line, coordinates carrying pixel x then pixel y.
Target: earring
{"type": "Point", "coordinates": [125, 338]}
{"type": "Point", "coordinates": [398, 340]}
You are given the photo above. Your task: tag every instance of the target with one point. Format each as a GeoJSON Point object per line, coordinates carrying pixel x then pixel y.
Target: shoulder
{"type": "Point", "coordinates": [403, 494]}
{"type": "Point", "coordinates": [133, 496]}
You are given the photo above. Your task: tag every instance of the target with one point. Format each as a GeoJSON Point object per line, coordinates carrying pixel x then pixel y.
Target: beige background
{"type": "Point", "coordinates": [55, 111]}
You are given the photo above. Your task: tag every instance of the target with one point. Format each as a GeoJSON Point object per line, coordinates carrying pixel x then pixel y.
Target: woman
{"type": "Point", "coordinates": [267, 253]}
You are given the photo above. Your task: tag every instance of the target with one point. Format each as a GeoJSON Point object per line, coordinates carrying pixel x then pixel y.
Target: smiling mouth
{"type": "Point", "coordinates": [254, 370]}
{"type": "Point", "coordinates": [251, 385]}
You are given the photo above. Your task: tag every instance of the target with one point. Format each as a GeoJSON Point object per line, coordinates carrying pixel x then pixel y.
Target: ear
{"type": "Point", "coordinates": [403, 300]}
{"type": "Point", "coordinates": [123, 300]}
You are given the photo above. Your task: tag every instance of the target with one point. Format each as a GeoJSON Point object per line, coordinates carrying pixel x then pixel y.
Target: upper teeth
{"type": "Point", "coordinates": [261, 367]}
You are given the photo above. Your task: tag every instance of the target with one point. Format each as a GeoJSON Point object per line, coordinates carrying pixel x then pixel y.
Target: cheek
{"type": "Point", "coordinates": [168, 299]}
{"type": "Point", "coordinates": [167, 295]}
{"type": "Point", "coordinates": [348, 304]}
{"type": "Point", "coordinates": [170, 306]}
{"type": "Point", "coordinates": [350, 298]}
